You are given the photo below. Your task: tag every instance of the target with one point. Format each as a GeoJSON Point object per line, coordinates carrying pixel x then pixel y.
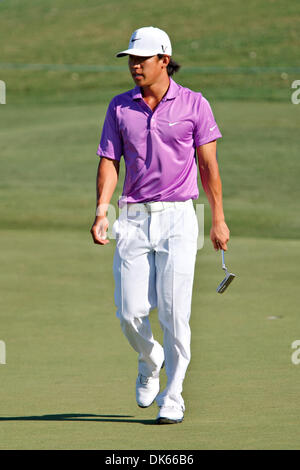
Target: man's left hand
{"type": "Point", "coordinates": [219, 235]}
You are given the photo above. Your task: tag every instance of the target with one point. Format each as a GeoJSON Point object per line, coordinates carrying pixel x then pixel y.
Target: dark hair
{"type": "Point", "coordinates": [172, 67]}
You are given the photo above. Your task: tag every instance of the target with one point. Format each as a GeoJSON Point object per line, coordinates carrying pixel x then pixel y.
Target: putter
{"type": "Point", "coordinates": [228, 277]}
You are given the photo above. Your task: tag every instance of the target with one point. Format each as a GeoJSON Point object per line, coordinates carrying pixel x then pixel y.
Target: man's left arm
{"type": "Point", "coordinates": [212, 185]}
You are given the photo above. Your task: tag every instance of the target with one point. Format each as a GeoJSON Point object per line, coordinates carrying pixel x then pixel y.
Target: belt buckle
{"type": "Point", "coordinates": [148, 206]}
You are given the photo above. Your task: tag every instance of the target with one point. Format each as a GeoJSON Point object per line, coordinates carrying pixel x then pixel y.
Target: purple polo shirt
{"type": "Point", "coordinates": [158, 146]}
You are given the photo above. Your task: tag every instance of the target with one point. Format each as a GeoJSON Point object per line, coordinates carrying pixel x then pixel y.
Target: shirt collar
{"type": "Point", "coordinates": [172, 91]}
{"type": "Point", "coordinates": [170, 95]}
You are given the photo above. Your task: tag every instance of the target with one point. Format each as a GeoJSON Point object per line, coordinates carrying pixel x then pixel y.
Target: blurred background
{"type": "Point", "coordinates": [66, 357]}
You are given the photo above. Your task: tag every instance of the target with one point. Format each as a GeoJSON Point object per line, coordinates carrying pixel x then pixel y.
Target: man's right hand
{"type": "Point", "coordinates": [99, 230]}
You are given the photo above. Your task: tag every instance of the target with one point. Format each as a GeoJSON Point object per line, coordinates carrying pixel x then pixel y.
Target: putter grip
{"type": "Point", "coordinates": [223, 259]}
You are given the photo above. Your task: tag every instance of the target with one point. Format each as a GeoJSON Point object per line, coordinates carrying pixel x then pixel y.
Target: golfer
{"type": "Point", "coordinates": [161, 129]}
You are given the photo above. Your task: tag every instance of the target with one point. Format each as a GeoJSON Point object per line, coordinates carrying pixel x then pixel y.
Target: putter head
{"type": "Point", "coordinates": [225, 283]}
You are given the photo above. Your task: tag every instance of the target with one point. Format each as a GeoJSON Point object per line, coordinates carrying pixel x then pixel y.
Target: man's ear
{"type": "Point", "coordinates": [166, 60]}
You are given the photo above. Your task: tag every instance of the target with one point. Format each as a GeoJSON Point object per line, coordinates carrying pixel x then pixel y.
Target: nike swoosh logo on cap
{"type": "Point", "coordinates": [137, 39]}
{"type": "Point", "coordinates": [212, 128]}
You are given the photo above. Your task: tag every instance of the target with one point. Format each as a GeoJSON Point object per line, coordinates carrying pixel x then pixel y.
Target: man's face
{"type": "Point", "coordinates": [146, 71]}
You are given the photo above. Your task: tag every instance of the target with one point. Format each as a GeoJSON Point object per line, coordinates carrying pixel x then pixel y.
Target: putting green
{"type": "Point", "coordinates": [69, 379]}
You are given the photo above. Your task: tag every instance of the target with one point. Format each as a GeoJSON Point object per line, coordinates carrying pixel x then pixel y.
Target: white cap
{"type": "Point", "coordinates": [148, 41]}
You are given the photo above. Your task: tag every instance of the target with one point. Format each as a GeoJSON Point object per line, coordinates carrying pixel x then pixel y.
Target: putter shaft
{"type": "Point", "coordinates": [223, 260]}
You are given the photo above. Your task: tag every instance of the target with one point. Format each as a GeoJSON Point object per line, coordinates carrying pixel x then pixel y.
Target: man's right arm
{"type": "Point", "coordinates": [107, 178]}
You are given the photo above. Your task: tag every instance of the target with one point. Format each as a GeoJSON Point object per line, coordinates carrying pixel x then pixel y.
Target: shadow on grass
{"type": "Point", "coordinates": [80, 417]}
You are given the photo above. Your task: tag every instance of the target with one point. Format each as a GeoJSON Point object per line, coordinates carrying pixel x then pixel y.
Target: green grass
{"type": "Point", "coordinates": [69, 378]}
{"type": "Point", "coordinates": [226, 34]}
{"type": "Point", "coordinates": [70, 375]}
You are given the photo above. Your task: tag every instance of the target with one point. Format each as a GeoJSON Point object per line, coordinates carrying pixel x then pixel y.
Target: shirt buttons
{"type": "Point", "coordinates": [153, 123]}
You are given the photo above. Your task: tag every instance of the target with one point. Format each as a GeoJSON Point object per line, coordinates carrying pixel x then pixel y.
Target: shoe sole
{"type": "Point", "coordinates": [168, 421]}
{"type": "Point", "coordinates": [147, 406]}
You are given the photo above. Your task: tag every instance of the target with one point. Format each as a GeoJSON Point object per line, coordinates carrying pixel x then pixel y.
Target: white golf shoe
{"type": "Point", "coordinates": [147, 389]}
{"type": "Point", "coordinates": [169, 415]}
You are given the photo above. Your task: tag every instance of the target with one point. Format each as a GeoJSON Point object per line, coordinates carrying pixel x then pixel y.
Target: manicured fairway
{"type": "Point", "coordinates": [221, 35]}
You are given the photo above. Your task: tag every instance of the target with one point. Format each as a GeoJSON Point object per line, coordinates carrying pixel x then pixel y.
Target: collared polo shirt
{"type": "Point", "coordinates": [158, 146]}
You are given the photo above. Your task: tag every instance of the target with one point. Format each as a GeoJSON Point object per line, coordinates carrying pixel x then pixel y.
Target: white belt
{"type": "Point", "coordinates": [156, 206]}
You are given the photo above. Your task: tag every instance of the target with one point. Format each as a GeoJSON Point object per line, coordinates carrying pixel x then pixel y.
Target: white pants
{"type": "Point", "coordinates": [154, 267]}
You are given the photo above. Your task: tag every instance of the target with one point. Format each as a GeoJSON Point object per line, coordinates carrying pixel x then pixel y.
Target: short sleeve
{"type": "Point", "coordinates": [111, 141]}
{"type": "Point", "coordinates": [206, 129]}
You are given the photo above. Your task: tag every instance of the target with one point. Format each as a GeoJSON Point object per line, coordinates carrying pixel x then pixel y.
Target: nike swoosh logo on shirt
{"type": "Point", "coordinates": [173, 123]}
{"type": "Point", "coordinates": [212, 128]}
